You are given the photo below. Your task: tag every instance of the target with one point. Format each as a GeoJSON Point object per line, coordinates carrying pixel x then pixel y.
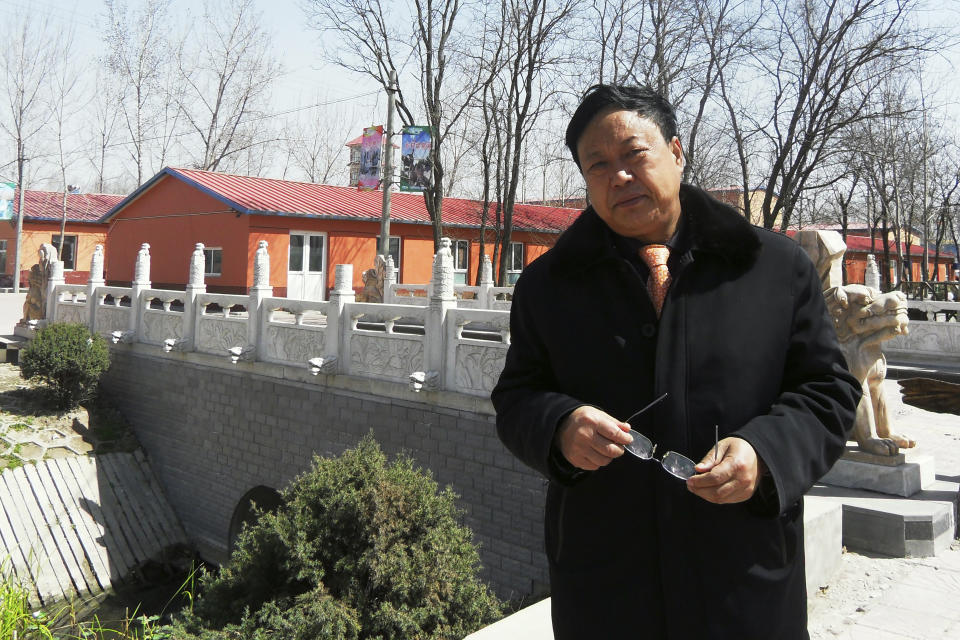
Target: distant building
{"type": "Point", "coordinates": [85, 229]}
{"type": "Point", "coordinates": [309, 228]}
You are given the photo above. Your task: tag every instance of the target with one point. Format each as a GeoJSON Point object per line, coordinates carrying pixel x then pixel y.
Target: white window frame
{"type": "Point", "coordinates": [3, 256]}
{"type": "Point", "coordinates": [512, 272]}
{"type": "Point", "coordinates": [208, 253]}
{"type": "Point", "coordinates": [460, 271]}
{"type": "Point", "coordinates": [391, 241]}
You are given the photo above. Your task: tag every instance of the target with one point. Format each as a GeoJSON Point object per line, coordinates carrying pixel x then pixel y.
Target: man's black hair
{"type": "Point", "coordinates": [643, 100]}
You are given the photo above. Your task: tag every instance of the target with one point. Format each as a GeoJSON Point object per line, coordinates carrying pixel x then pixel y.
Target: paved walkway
{"type": "Point", "coordinates": [885, 598]}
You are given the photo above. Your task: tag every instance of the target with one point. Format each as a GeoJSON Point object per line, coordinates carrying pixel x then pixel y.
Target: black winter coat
{"type": "Point", "coordinates": [744, 342]}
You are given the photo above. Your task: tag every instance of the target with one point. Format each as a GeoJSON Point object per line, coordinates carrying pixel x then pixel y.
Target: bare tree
{"type": "Point", "coordinates": [534, 30]}
{"type": "Point", "coordinates": [827, 58]}
{"type": "Point", "coordinates": [227, 68]}
{"type": "Point", "coordinates": [64, 105]}
{"type": "Point", "coordinates": [375, 43]}
{"type": "Point", "coordinates": [138, 52]}
{"type": "Point", "coordinates": [27, 58]}
{"type": "Point", "coordinates": [103, 127]}
{"type": "Point", "coordinates": [316, 139]}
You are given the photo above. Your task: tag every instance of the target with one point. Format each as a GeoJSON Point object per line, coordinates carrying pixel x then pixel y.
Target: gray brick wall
{"type": "Point", "coordinates": [212, 434]}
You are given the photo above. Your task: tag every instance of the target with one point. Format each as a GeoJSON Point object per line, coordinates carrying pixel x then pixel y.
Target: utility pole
{"type": "Point", "coordinates": [18, 258]}
{"type": "Point", "coordinates": [388, 165]}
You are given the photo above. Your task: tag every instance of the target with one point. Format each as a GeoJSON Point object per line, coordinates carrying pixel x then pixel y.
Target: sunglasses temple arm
{"type": "Point", "coordinates": [655, 401]}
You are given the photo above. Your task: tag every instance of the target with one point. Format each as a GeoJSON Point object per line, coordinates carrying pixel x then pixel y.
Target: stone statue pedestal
{"type": "Point", "coordinates": [904, 474]}
{"type": "Point", "coordinates": [892, 505]}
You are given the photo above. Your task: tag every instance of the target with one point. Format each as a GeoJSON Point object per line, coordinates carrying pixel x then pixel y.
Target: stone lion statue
{"type": "Point", "coordinates": [864, 317]}
{"type": "Point", "coordinates": [35, 304]}
{"type": "Point", "coordinates": [373, 282]}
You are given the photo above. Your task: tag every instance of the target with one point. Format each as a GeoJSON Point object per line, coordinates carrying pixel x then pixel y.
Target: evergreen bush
{"type": "Point", "coordinates": [359, 549]}
{"type": "Point", "coordinates": [68, 359]}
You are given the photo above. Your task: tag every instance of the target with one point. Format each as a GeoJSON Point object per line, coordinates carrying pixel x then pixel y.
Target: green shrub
{"type": "Point", "coordinates": [360, 548]}
{"type": "Point", "coordinates": [68, 359]}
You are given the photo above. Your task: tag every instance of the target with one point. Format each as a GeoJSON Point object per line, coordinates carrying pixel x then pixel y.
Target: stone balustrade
{"type": "Point", "coordinates": [452, 339]}
{"type": "Point", "coordinates": [482, 296]}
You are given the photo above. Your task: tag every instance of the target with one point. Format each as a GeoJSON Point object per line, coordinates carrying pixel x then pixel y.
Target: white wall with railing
{"type": "Point", "coordinates": [451, 339]}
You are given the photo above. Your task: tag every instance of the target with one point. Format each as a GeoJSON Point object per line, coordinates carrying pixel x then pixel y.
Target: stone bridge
{"type": "Point", "coordinates": [219, 434]}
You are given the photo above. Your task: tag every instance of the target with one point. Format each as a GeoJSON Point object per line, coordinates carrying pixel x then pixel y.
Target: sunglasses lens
{"type": "Point", "coordinates": [677, 465]}
{"type": "Point", "coordinates": [641, 446]}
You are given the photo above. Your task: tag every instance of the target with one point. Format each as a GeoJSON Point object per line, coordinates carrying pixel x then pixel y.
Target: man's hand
{"type": "Point", "coordinates": [589, 438]}
{"type": "Point", "coordinates": [733, 477]}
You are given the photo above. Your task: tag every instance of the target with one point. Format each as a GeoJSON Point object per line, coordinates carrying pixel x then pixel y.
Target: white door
{"type": "Point", "coordinates": [305, 268]}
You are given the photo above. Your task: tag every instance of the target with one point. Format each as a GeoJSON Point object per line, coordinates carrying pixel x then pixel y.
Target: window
{"type": "Point", "coordinates": [461, 260]}
{"type": "Point", "coordinates": [3, 256]}
{"type": "Point", "coordinates": [212, 260]}
{"type": "Point", "coordinates": [393, 243]}
{"type": "Point", "coordinates": [514, 261]}
{"type": "Point", "coordinates": [68, 256]}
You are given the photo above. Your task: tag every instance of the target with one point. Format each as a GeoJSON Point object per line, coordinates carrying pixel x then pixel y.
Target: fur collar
{"type": "Point", "coordinates": [714, 227]}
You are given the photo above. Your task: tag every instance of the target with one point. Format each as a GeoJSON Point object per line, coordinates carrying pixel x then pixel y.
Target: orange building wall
{"type": "Point", "coordinates": [172, 217]}
{"type": "Point", "coordinates": [37, 233]}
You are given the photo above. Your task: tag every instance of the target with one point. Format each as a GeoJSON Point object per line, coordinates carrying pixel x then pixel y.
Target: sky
{"type": "Point", "coordinates": [297, 46]}
{"type": "Point", "coordinates": [307, 79]}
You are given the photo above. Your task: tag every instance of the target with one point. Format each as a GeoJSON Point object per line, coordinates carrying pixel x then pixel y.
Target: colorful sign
{"type": "Point", "coordinates": [416, 169]}
{"type": "Point", "coordinates": [370, 150]}
{"type": "Point", "coordinates": [7, 193]}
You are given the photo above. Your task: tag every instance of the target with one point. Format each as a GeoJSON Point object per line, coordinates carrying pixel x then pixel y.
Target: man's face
{"type": "Point", "coordinates": [633, 175]}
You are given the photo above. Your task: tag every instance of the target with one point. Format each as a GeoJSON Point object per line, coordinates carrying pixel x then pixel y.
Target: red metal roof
{"type": "Point", "coordinates": [284, 197]}
{"type": "Point", "coordinates": [81, 207]}
{"type": "Point", "coordinates": [863, 244]}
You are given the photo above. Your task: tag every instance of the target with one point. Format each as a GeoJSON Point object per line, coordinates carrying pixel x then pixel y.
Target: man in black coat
{"type": "Point", "coordinates": [742, 344]}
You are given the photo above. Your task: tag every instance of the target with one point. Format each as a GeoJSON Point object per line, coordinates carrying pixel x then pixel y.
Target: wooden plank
{"type": "Point", "coordinates": [133, 478]}
{"type": "Point", "coordinates": [112, 506]}
{"type": "Point", "coordinates": [46, 509]}
{"type": "Point", "coordinates": [36, 541]}
{"type": "Point", "coordinates": [18, 560]}
{"type": "Point", "coordinates": [85, 470]}
{"type": "Point", "coordinates": [131, 510]}
{"type": "Point", "coordinates": [166, 513]}
{"type": "Point", "coordinates": [91, 533]}
{"type": "Point", "coordinates": [84, 528]}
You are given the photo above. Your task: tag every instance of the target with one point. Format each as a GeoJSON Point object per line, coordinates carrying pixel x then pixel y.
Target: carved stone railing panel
{"type": "Point", "coordinates": [294, 331]}
{"type": "Point", "coordinates": [477, 343]}
{"type": "Point", "coordinates": [159, 324]}
{"type": "Point", "coordinates": [393, 358]}
{"type": "Point", "coordinates": [385, 341]}
{"type": "Point", "coordinates": [937, 340]}
{"type": "Point", "coordinates": [70, 303]}
{"type": "Point", "coordinates": [110, 318]}
{"type": "Point", "coordinates": [220, 330]}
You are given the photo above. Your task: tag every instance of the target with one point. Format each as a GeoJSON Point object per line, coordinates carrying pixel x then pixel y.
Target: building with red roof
{"type": "Point", "coordinates": [308, 228]}
{"type": "Point", "coordinates": [85, 229]}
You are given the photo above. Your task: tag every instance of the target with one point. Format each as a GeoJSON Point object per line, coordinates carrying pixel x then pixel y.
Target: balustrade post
{"type": "Point", "coordinates": [95, 280]}
{"type": "Point", "coordinates": [872, 275]}
{"type": "Point", "coordinates": [195, 286]}
{"type": "Point", "coordinates": [486, 283]}
{"type": "Point", "coordinates": [338, 324]}
{"type": "Point", "coordinates": [54, 278]}
{"type": "Point", "coordinates": [260, 290]}
{"type": "Point", "coordinates": [141, 282]}
{"type": "Point", "coordinates": [442, 299]}
{"type": "Point", "coordinates": [389, 279]}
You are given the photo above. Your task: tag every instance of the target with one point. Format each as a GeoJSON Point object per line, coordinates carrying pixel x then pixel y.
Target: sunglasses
{"type": "Point", "coordinates": [676, 464]}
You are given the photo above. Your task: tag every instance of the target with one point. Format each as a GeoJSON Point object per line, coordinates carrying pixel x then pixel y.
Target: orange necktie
{"type": "Point", "coordinates": [655, 256]}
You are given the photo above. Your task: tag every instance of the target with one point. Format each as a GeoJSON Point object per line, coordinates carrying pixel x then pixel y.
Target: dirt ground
{"type": "Point", "coordinates": [30, 430]}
